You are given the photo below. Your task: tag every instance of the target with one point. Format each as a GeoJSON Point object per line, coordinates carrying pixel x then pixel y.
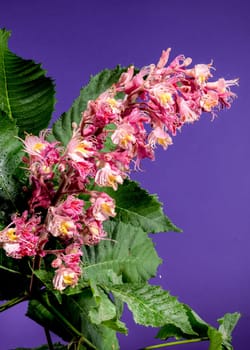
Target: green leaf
{"type": "Point", "coordinates": [123, 252]}
{"type": "Point", "coordinates": [46, 277]}
{"type": "Point", "coordinates": [127, 244]}
{"type": "Point", "coordinates": [219, 339]}
{"type": "Point", "coordinates": [199, 327]}
{"type": "Point", "coordinates": [26, 95]}
{"type": "Point", "coordinates": [137, 207]}
{"type": "Point", "coordinates": [100, 335]}
{"type": "Point", "coordinates": [62, 129]}
{"type": "Point", "coordinates": [104, 310]}
{"type": "Point", "coordinates": [108, 143]}
{"type": "Point", "coordinates": [116, 325]}
{"type": "Point", "coordinates": [152, 306]}
{"type": "Point", "coordinates": [227, 325]}
{"type": "Point", "coordinates": [10, 160]}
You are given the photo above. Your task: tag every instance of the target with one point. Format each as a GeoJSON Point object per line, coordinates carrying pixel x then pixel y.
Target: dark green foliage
{"type": "Point", "coordinates": [26, 95]}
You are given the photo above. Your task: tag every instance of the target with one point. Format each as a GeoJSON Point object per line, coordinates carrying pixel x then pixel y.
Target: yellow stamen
{"type": "Point", "coordinates": [69, 278]}
{"type": "Point", "coordinates": [46, 169]}
{"type": "Point", "coordinates": [107, 209]}
{"type": "Point", "coordinates": [126, 139]}
{"type": "Point", "coordinates": [81, 148]}
{"type": "Point", "coordinates": [11, 234]}
{"type": "Point", "coordinates": [94, 230]}
{"type": "Point", "coordinates": [112, 102]}
{"type": "Point", "coordinates": [38, 147]}
{"type": "Point", "coordinates": [202, 79]}
{"type": "Point", "coordinates": [165, 98]}
{"type": "Point", "coordinates": [209, 103]}
{"type": "Point", "coordinates": [162, 141]}
{"type": "Point", "coordinates": [111, 179]}
{"type": "Point", "coordinates": [65, 226]}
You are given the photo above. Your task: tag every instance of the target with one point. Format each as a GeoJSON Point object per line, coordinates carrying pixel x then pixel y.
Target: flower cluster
{"type": "Point", "coordinates": [135, 115]}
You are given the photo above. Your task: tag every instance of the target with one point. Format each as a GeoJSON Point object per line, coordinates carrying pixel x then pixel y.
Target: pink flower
{"type": "Point", "coordinates": [137, 118]}
{"type": "Point", "coordinates": [93, 232]}
{"type": "Point", "coordinates": [131, 84]}
{"type": "Point", "coordinates": [72, 207]}
{"type": "Point", "coordinates": [201, 72]}
{"type": "Point", "coordinates": [35, 146]}
{"type": "Point", "coordinates": [40, 149]}
{"type": "Point", "coordinates": [136, 84]}
{"type": "Point", "coordinates": [124, 136]}
{"type": "Point", "coordinates": [158, 135]}
{"type": "Point", "coordinates": [42, 194]}
{"type": "Point", "coordinates": [221, 87]}
{"type": "Point", "coordinates": [56, 263]}
{"type": "Point", "coordinates": [103, 206]}
{"type": "Point", "coordinates": [72, 256]}
{"type": "Point", "coordinates": [163, 95]}
{"type": "Point", "coordinates": [79, 149]}
{"type": "Point", "coordinates": [186, 112]}
{"type": "Point", "coordinates": [209, 101]}
{"type": "Point", "coordinates": [13, 250]}
{"type": "Point", "coordinates": [82, 169]}
{"type": "Point", "coordinates": [100, 113]}
{"type": "Point", "coordinates": [68, 267]}
{"type": "Point", "coordinates": [60, 226]}
{"type": "Point", "coordinates": [155, 103]}
{"type": "Point", "coordinates": [106, 176]}
{"type": "Point", "coordinates": [164, 58]}
{"type": "Point", "coordinates": [143, 151]}
{"type": "Point", "coordinates": [65, 277]}
{"type": "Point", "coordinates": [125, 78]}
{"type": "Point", "coordinates": [119, 159]}
{"type": "Point", "coordinates": [21, 239]}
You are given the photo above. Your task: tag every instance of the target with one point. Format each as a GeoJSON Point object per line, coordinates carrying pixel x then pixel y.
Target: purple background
{"type": "Point", "coordinates": [203, 179]}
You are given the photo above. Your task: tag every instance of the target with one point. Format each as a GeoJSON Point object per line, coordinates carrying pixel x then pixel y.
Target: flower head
{"type": "Point", "coordinates": [122, 126]}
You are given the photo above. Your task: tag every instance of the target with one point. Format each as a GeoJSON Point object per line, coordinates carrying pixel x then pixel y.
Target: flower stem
{"type": "Point", "coordinates": [12, 302]}
{"type": "Point", "coordinates": [180, 342]}
{"type": "Point", "coordinates": [36, 266]}
{"type": "Point", "coordinates": [48, 337]}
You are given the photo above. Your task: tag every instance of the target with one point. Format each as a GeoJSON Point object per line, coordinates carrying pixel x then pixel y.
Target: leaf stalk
{"type": "Point", "coordinates": [179, 342]}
